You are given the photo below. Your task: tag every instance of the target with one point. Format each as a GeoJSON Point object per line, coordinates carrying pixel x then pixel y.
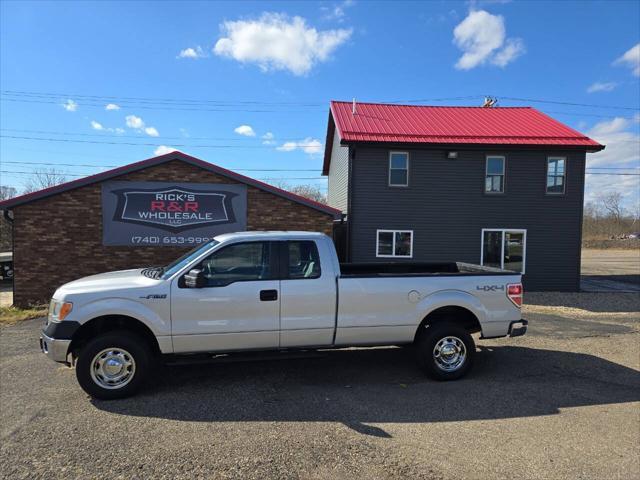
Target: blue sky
{"type": "Point", "coordinates": [246, 85]}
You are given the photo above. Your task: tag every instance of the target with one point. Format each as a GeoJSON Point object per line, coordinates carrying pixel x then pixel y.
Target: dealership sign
{"type": "Point", "coordinates": [170, 214]}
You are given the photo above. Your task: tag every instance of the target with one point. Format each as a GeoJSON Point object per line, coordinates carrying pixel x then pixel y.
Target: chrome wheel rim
{"type": "Point", "coordinates": [113, 368]}
{"type": "Point", "coordinates": [449, 354]}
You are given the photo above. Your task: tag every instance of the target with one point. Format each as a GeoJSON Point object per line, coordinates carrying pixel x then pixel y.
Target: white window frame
{"type": "Point", "coordinates": [486, 174]}
{"type": "Point", "coordinates": [393, 244]}
{"type": "Point", "coordinates": [564, 176]}
{"type": "Point", "coordinates": [503, 230]}
{"type": "Point", "coordinates": [389, 175]}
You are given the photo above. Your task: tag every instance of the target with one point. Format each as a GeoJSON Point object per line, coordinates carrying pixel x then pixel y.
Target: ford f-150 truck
{"type": "Point", "coordinates": [274, 291]}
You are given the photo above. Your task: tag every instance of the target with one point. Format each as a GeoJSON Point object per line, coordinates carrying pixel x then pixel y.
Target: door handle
{"type": "Point", "coordinates": [268, 295]}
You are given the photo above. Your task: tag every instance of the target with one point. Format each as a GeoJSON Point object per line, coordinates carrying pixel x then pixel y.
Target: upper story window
{"type": "Point", "coordinates": [494, 179]}
{"type": "Point", "coordinates": [394, 243]}
{"type": "Point", "coordinates": [555, 174]}
{"type": "Point", "coordinates": [398, 169]}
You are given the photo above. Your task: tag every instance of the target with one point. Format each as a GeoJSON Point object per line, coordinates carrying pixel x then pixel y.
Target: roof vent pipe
{"type": "Point", "coordinates": [353, 107]}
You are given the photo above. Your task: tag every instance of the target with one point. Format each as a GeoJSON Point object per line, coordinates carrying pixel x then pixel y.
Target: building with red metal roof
{"type": "Point", "coordinates": [500, 186]}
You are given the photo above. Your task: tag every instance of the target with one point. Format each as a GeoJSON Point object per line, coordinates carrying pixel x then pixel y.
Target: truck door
{"type": "Point", "coordinates": [308, 296]}
{"type": "Point", "coordinates": [239, 308]}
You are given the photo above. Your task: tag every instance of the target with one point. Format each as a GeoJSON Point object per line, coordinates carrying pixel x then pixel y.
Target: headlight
{"type": "Point", "coordinates": [58, 311]}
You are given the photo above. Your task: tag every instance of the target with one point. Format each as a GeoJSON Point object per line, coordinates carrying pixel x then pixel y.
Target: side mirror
{"type": "Point", "coordinates": [195, 279]}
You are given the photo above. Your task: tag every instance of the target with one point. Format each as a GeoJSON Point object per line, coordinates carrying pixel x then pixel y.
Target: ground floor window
{"type": "Point", "coordinates": [504, 248]}
{"type": "Point", "coordinates": [394, 243]}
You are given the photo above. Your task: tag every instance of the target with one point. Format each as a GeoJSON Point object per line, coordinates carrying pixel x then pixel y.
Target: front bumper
{"type": "Point", "coordinates": [55, 349]}
{"type": "Point", "coordinates": [518, 328]}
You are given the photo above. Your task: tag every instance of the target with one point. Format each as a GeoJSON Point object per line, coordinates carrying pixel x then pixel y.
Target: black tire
{"type": "Point", "coordinates": [135, 349]}
{"type": "Point", "coordinates": [450, 333]}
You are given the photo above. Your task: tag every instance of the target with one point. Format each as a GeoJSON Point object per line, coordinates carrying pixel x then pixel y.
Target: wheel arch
{"type": "Point", "coordinates": [451, 313]}
{"type": "Point", "coordinates": [107, 323]}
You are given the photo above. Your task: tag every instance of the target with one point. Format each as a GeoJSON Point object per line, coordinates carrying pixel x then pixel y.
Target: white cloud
{"type": "Point", "coordinates": [278, 42]}
{"type": "Point", "coordinates": [138, 125]}
{"type": "Point", "coordinates": [134, 122]}
{"type": "Point", "coordinates": [309, 145]}
{"type": "Point", "coordinates": [338, 11]}
{"type": "Point", "coordinates": [112, 106]}
{"type": "Point", "coordinates": [601, 87]}
{"type": "Point", "coordinates": [268, 139]}
{"type": "Point", "coordinates": [70, 106]}
{"type": "Point", "coordinates": [193, 53]}
{"type": "Point", "coordinates": [163, 149]}
{"type": "Point", "coordinates": [622, 150]}
{"type": "Point", "coordinates": [245, 130]}
{"type": "Point", "coordinates": [631, 59]}
{"type": "Point", "coordinates": [483, 38]}
{"type": "Point", "coordinates": [98, 126]}
{"type": "Point", "coordinates": [514, 47]}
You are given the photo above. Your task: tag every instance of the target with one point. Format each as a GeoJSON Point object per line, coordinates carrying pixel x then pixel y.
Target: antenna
{"type": "Point", "coordinates": [489, 102]}
{"type": "Point", "coordinates": [353, 106]}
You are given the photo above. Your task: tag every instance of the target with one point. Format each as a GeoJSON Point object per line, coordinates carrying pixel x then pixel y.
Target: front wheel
{"type": "Point", "coordinates": [113, 365]}
{"type": "Point", "coordinates": [445, 351]}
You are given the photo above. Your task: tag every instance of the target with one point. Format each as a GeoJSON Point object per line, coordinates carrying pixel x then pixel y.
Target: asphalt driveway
{"type": "Point", "coordinates": [561, 402]}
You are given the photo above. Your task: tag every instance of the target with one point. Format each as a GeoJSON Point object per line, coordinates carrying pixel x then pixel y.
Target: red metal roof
{"type": "Point", "coordinates": [391, 123]}
{"type": "Point", "coordinates": [150, 162]}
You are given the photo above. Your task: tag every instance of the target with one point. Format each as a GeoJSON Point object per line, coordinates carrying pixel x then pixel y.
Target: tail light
{"type": "Point", "coordinates": [514, 292]}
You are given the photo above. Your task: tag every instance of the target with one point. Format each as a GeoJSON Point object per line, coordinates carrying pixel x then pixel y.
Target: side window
{"type": "Point", "coordinates": [394, 243]}
{"type": "Point", "coordinates": [555, 175]}
{"type": "Point", "coordinates": [240, 262]}
{"type": "Point", "coordinates": [494, 178]}
{"type": "Point", "coordinates": [304, 260]}
{"type": "Point", "coordinates": [398, 169]}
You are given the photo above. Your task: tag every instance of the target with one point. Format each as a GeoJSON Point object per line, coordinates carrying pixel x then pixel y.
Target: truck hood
{"type": "Point", "coordinates": [110, 281]}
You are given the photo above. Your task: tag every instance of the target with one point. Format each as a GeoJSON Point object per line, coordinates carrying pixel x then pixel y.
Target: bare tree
{"type": "Point", "coordinates": [42, 179]}
{"type": "Point", "coordinates": [612, 204]}
{"type": "Point", "coordinates": [312, 192]}
{"type": "Point", "coordinates": [7, 192]}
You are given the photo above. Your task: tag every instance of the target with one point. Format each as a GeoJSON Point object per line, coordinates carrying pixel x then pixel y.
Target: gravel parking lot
{"type": "Point", "coordinates": [561, 402]}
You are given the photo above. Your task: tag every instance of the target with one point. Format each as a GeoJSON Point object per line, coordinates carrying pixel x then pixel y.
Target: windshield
{"type": "Point", "coordinates": [185, 259]}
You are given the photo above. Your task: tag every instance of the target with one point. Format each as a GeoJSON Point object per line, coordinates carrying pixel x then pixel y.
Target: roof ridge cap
{"type": "Point", "coordinates": [433, 106]}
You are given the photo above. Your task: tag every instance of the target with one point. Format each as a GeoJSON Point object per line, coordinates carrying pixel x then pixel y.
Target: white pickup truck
{"type": "Point", "coordinates": [274, 291]}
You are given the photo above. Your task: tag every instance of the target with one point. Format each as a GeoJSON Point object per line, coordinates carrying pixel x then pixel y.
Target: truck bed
{"type": "Point", "coordinates": [410, 269]}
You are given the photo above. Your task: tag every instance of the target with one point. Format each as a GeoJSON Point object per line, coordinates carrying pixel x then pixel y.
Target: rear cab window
{"type": "Point", "coordinates": [302, 260]}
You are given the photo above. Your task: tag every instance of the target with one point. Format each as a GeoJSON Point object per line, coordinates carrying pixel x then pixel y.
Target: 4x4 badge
{"type": "Point", "coordinates": [490, 288]}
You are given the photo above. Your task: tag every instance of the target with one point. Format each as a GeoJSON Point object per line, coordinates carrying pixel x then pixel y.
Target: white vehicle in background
{"type": "Point", "coordinates": [6, 265]}
{"type": "Point", "coordinates": [274, 291]}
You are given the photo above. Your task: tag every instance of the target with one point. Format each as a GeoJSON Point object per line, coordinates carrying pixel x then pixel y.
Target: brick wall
{"type": "Point", "coordinates": [59, 239]}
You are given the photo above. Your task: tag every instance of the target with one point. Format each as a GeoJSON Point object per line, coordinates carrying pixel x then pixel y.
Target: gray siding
{"type": "Point", "coordinates": [338, 175]}
{"type": "Point", "coordinates": [446, 207]}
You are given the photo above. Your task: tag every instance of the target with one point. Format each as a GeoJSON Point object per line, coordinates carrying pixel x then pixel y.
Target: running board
{"type": "Point", "coordinates": [194, 359]}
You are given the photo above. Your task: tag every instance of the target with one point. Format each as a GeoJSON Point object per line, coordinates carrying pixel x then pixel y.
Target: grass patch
{"type": "Point", "coordinates": [11, 315]}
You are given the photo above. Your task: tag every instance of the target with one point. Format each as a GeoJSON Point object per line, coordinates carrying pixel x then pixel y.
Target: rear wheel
{"type": "Point", "coordinates": [445, 351]}
{"type": "Point", "coordinates": [113, 365]}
